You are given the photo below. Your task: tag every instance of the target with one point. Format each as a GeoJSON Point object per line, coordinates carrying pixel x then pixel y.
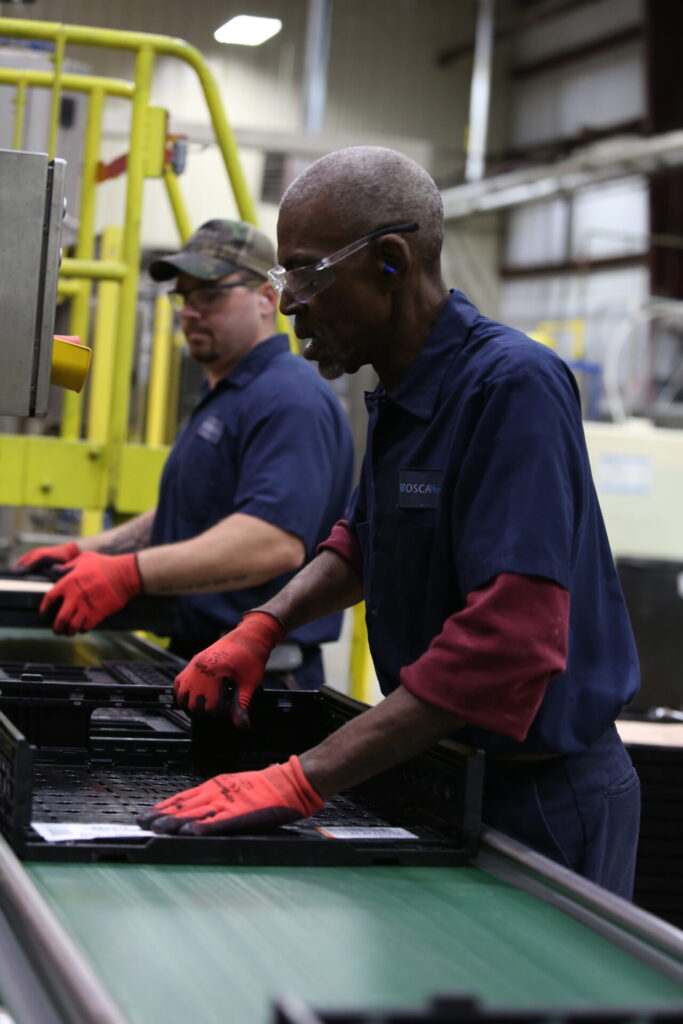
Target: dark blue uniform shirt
{"type": "Point", "coordinates": [271, 440]}
{"type": "Point", "coordinates": [476, 465]}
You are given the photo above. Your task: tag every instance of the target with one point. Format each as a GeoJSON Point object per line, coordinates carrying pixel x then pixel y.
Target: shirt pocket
{"type": "Point", "coordinates": [414, 528]}
{"type": "Point", "coordinates": [410, 551]}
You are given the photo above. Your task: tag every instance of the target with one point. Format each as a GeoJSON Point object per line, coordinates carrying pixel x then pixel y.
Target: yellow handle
{"type": "Point", "coordinates": [70, 362]}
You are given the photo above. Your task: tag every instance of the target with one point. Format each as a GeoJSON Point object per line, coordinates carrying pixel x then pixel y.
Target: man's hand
{"type": "Point", "coordinates": [94, 587]}
{"type": "Point", "coordinates": [223, 677]}
{"type": "Point", "coordinates": [39, 560]}
{"type": "Point", "coordinates": [243, 802]}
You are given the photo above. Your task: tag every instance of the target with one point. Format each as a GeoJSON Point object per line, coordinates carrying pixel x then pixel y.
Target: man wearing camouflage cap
{"type": "Point", "coordinates": [254, 481]}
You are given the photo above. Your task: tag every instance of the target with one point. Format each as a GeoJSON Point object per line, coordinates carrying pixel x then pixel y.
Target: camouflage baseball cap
{"type": "Point", "coordinates": [216, 249]}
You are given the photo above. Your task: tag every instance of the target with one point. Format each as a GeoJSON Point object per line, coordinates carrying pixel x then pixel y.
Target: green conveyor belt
{"type": "Point", "coordinates": [213, 945]}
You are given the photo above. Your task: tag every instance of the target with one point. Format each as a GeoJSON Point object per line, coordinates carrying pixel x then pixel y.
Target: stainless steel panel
{"type": "Point", "coordinates": [31, 213]}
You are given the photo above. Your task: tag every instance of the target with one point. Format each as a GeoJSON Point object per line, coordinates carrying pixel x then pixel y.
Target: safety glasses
{"type": "Point", "coordinates": [205, 297]}
{"type": "Point", "coordinates": [305, 282]}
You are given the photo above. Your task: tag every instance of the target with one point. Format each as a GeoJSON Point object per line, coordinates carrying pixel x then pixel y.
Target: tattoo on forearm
{"type": "Point", "coordinates": [133, 538]}
{"type": "Point", "coordinates": [189, 588]}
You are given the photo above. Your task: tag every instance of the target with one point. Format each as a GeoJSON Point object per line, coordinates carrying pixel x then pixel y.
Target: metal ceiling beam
{"type": "Point", "coordinates": [513, 25]}
{"type": "Point", "coordinates": [480, 92]}
{"type": "Point", "coordinates": [603, 161]}
{"type": "Point", "coordinates": [316, 59]}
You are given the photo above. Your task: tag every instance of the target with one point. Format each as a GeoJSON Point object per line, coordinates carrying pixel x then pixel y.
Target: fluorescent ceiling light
{"type": "Point", "coordinates": [246, 30]}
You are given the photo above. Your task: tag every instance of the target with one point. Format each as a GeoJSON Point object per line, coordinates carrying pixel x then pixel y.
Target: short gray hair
{"type": "Point", "coordinates": [368, 187]}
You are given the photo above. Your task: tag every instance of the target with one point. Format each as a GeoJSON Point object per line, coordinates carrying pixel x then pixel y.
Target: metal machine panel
{"type": "Point", "coordinates": [638, 473]}
{"type": "Point", "coordinates": [31, 213]}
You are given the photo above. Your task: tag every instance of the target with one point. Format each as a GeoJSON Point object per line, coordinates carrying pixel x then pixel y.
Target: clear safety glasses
{"type": "Point", "coordinates": [305, 282]}
{"type": "Point", "coordinates": [205, 297]}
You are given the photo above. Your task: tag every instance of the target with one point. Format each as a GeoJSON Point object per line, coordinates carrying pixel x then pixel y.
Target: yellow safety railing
{"type": "Point", "coordinates": [93, 466]}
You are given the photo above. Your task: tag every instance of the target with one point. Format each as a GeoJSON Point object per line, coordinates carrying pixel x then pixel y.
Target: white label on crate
{"type": "Point", "coordinates": [349, 832]}
{"type": "Point", "coordinates": [65, 832]}
{"type": "Point", "coordinates": [625, 474]}
{"type": "Point", "coordinates": [25, 586]}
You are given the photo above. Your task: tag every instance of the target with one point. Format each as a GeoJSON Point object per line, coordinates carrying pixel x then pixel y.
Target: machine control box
{"type": "Point", "coordinates": [31, 214]}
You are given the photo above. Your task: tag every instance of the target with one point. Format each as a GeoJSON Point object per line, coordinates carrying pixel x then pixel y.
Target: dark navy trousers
{"type": "Point", "coordinates": [581, 810]}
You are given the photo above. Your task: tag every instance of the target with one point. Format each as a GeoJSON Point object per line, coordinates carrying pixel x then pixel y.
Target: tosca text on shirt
{"type": "Point", "coordinates": [419, 488]}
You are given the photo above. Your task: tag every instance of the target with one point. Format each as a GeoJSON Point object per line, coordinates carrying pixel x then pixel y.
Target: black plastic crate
{"type": "Point", "coordinates": [458, 1009]}
{"type": "Point", "coordinates": [19, 608]}
{"type": "Point", "coordinates": [425, 812]}
{"type": "Point", "coordinates": [52, 705]}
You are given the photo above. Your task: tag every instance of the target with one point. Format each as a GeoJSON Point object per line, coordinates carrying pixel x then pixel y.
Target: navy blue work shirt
{"type": "Point", "coordinates": [476, 465]}
{"type": "Point", "coordinates": [270, 440]}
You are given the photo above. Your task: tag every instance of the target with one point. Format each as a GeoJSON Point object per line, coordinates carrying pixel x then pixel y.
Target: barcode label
{"type": "Point", "coordinates": [64, 832]}
{"type": "Point", "coordinates": [380, 832]}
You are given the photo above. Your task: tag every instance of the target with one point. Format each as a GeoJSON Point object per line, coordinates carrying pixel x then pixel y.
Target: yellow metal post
{"type": "Point", "coordinates": [100, 394]}
{"type": "Point", "coordinates": [160, 375]}
{"type": "Point", "coordinates": [177, 202]}
{"type": "Point", "coordinates": [173, 396]}
{"type": "Point", "coordinates": [577, 328]}
{"type": "Point", "coordinates": [85, 246]}
{"type": "Point", "coordinates": [125, 342]}
{"type": "Point", "coordinates": [155, 148]}
{"type": "Point", "coordinates": [104, 358]}
{"type": "Point", "coordinates": [92, 521]}
{"type": "Point", "coordinates": [19, 108]}
{"type": "Point", "coordinates": [360, 662]}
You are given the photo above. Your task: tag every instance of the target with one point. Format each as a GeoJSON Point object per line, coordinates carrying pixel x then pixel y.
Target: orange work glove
{"type": "Point", "coordinates": [223, 677]}
{"type": "Point", "coordinates": [94, 586]}
{"type": "Point", "coordinates": [40, 559]}
{"type": "Point", "coordinates": [243, 802]}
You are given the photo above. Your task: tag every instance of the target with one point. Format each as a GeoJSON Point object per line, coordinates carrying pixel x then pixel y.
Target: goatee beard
{"type": "Point", "coordinates": [329, 368]}
{"type": "Point", "coordinates": [330, 371]}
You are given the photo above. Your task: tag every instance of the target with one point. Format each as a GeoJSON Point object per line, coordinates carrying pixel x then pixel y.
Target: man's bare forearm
{"type": "Point", "coordinates": [327, 584]}
{"type": "Point", "coordinates": [394, 730]}
{"type": "Point", "coordinates": [133, 535]}
{"type": "Point", "coordinates": [239, 551]}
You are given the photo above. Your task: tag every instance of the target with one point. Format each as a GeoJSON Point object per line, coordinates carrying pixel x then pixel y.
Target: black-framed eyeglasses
{"type": "Point", "coordinates": [303, 283]}
{"type": "Point", "coordinates": [205, 296]}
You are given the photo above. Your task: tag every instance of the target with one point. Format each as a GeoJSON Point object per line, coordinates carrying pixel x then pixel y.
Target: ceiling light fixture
{"type": "Point", "coordinates": [245, 30]}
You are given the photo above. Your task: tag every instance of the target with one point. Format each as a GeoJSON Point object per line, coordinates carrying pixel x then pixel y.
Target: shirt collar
{"type": "Point", "coordinates": [251, 366]}
{"type": "Point", "coordinates": [418, 391]}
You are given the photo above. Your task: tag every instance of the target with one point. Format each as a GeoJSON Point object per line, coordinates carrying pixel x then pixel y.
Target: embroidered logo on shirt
{"type": "Point", "coordinates": [210, 429]}
{"type": "Point", "coordinates": [419, 488]}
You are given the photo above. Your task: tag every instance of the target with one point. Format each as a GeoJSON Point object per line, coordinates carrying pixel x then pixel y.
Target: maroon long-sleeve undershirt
{"type": "Point", "coordinates": [492, 661]}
